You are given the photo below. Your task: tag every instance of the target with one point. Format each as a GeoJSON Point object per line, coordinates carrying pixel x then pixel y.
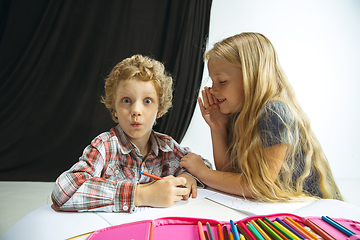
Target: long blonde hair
{"type": "Point", "coordinates": [264, 82]}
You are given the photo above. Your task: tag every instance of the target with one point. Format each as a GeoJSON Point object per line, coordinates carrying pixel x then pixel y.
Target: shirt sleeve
{"type": "Point", "coordinates": [82, 188]}
{"type": "Point", "coordinates": [275, 124]}
{"type": "Point", "coordinates": [180, 152]}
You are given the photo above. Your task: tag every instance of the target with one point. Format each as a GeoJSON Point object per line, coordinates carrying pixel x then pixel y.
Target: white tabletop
{"type": "Point", "coordinates": [45, 223]}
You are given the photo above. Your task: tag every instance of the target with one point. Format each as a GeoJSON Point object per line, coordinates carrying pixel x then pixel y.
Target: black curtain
{"type": "Point", "coordinates": [54, 57]}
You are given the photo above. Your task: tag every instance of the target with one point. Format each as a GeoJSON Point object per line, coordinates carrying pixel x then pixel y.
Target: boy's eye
{"type": "Point", "coordinates": [222, 82]}
{"type": "Point", "coordinates": [147, 101]}
{"type": "Point", "coordinates": [126, 100]}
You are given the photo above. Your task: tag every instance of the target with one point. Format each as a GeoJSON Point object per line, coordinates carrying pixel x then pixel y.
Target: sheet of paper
{"type": "Point", "coordinates": [332, 208]}
{"type": "Point", "coordinates": [146, 212]}
{"type": "Point", "coordinates": [255, 208]}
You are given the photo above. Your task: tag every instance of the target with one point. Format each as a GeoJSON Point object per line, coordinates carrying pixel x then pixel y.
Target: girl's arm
{"type": "Point", "coordinates": [217, 122]}
{"type": "Point", "coordinates": [232, 182]}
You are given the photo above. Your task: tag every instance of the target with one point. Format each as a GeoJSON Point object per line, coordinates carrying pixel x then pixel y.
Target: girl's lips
{"type": "Point", "coordinates": [220, 101]}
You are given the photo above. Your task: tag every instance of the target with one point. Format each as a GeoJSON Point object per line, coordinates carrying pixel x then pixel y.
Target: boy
{"type": "Point", "coordinates": [107, 176]}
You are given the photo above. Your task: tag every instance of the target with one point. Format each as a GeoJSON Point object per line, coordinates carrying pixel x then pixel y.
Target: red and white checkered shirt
{"type": "Point", "coordinates": [107, 173]}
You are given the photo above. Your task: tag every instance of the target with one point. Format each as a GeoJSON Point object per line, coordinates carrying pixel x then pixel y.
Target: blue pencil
{"type": "Point", "coordinates": [255, 232]}
{"type": "Point", "coordinates": [338, 226]}
{"type": "Point", "coordinates": [234, 230]}
{"type": "Point", "coordinates": [290, 228]}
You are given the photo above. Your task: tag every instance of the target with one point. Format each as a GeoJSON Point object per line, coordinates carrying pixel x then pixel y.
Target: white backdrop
{"type": "Point", "coordinates": [318, 43]}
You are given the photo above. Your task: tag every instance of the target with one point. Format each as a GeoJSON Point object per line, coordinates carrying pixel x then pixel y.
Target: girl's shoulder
{"type": "Point", "coordinates": [276, 110]}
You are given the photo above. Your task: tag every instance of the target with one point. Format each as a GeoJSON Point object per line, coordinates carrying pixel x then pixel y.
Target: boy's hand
{"type": "Point", "coordinates": [194, 164]}
{"type": "Point", "coordinates": [191, 186]}
{"type": "Point", "coordinates": [160, 193]}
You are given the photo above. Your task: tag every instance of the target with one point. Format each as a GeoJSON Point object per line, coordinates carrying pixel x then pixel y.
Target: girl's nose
{"type": "Point", "coordinates": [213, 89]}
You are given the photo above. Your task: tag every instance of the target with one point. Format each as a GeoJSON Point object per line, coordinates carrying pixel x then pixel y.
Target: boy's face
{"type": "Point", "coordinates": [136, 107]}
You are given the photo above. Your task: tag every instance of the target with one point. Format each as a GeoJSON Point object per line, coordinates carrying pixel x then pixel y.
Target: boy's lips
{"type": "Point", "coordinates": [135, 124]}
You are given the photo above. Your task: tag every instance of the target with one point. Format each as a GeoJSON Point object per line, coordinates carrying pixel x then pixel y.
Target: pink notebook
{"type": "Point", "coordinates": [183, 228]}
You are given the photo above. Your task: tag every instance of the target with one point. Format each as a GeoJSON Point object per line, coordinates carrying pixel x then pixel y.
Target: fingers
{"type": "Point", "coordinates": [209, 96]}
{"type": "Point", "coordinates": [201, 105]}
{"type": "Point", "coordinates": [205, 99]}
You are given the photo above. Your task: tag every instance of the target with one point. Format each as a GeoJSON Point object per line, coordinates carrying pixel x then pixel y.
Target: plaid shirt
{"type": "Point", "coordinates": [107, 173]}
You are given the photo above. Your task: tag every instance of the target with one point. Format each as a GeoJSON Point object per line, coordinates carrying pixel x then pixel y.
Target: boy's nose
{"type": "Point", "coordinates": [136, 110]}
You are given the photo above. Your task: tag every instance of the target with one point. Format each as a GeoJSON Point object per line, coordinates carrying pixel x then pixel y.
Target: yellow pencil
{"type": "Point", "coordinates": [242, 237]}
{"type": "Point", "coordinates": [287, 231]}
{"type": "Point", "coordinates": [231, 236]}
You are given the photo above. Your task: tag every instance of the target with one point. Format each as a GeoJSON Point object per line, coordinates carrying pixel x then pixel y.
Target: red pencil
{"type": "Point", "coordinates": [151, 175]}
{"type": "Point", "coordinates": [318, 230]}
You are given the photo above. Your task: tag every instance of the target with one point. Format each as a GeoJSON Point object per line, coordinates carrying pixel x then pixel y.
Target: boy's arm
{"type": "Point", "coordinates": [82, 188]}
{"type": "Point", "coordinates": [180, 152]}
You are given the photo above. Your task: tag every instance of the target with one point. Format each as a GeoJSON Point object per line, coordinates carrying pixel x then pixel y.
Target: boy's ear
{"type": "Point", "coordinates": [158, 114]}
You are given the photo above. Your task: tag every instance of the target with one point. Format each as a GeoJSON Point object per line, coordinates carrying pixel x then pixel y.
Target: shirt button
{"type": "Point", "coordinates": [125, 208]}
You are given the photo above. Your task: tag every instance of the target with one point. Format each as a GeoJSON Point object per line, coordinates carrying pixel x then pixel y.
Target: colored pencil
{"type": "Point", "coordinates": [300, 231]}
{"type": "Point", "coordinates": [234, 230]}
{"type": "Point", "coordinates": [302, 228]}
{"type": "Point", "coordinates": [277, 228]}
{"type": "Point", "coordinates": [276, 231]}
{"type": "Point", "coordinates": [291, 234]}
{"type": "Point", "coordinates": [151, 175]}
{"type": "Point", "coordinates": [226, 233]}
{"type": "Point", "coordinates": [254, 231]}
{"type": "Point", "coordinates": [242, 237]}
{"type": "Point", "coordinates": [246, 232]}
{"type": "Point", "coordinates": [221, 236]}
{"type": "Point", "coordinates": [338, 226]}
{"type": "Point", "coordinates": [201, 231]}
{"type": "Point", "coordinates": [231, 236]}
{"type": "Point", "coordinates": [151, 233]}
{"type": "Point", "coordinates": [268, 229]}
{"type": "Point", "coordinates": [206, 235]}
{"type": "Point", "coordinates": [325, 235]}
{"type": "Point", "coordinates": [260, 230]}
{"type": "Point", "coordinates": [289, 228]}
{"type": "Point", "coordinates": [211, 235]}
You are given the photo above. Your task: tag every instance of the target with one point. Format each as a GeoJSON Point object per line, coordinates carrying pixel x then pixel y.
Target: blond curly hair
{"type": "Point", "coordinates": [142, 68]}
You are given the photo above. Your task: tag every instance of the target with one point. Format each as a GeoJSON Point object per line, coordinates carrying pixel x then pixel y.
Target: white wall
{"type": "Point", "coordinates": [318, 43]}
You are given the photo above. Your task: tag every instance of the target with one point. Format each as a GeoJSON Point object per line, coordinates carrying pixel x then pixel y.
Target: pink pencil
{"type": "Point", "coordinates": [201, 231]}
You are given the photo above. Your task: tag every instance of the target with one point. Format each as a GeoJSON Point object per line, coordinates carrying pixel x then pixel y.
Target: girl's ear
{"type": "Point", "coordinates": [158, 115]}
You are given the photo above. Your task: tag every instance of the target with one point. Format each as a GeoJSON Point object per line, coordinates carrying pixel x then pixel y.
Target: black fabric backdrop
{"type": "Point", "coordinates": [54, 57]}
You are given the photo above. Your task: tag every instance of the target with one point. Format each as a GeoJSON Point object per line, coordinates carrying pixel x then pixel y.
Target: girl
{"type": "Point", "coordinates": [262, 141]}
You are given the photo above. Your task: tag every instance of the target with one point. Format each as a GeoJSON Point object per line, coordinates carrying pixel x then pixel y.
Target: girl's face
{"type": "Point", "coordinates": [227, 85]}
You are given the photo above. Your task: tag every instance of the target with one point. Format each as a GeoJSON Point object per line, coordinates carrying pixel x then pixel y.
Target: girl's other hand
{"type": "Point", "coordinates": [210, 110]}
{"type": "Point", "coordinates": [194, 164]}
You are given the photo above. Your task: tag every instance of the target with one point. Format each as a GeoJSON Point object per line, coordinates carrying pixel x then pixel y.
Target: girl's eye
{"type": "Point", "coordinates": [126, 100]}
{"type": "Point", "coordinates": [147, 101]}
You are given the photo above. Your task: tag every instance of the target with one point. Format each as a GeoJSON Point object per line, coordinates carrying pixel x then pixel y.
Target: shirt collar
{"type": "Point", "coordinates": [126, 146]}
